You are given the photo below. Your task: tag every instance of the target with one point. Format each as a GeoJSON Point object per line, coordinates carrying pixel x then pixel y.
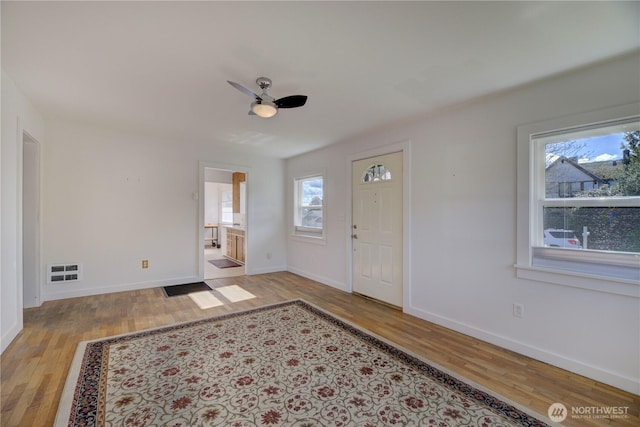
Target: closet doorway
{"type": "Point", "coordinates": [224, 225]}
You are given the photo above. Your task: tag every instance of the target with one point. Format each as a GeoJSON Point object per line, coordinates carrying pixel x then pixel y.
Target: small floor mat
{"type": "Point", "coordinates": [224, 263]}
{"type": "Point", "coordinates": [175, 290]}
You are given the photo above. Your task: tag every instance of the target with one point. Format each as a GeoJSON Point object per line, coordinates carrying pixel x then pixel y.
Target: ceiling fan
{"type": "Point", "coordinates": [266, 106]}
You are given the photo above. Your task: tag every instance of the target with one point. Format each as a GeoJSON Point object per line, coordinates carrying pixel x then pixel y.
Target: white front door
{"type": "Point", "coordinates": [377, 227]}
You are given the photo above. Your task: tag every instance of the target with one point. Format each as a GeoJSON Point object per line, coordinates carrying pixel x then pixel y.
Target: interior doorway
{"type": "Point", "coordinates": [224, 223]}
{"type": "Point", "coordinates": [30, 222]}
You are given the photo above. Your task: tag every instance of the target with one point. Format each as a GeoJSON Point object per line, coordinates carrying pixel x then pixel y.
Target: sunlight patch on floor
{"type": "Point", "coordinates": [205, 299]}
{"type": "Point", "coordinates": [235, 293]}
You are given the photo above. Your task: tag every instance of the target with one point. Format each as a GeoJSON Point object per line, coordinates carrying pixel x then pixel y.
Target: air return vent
{"type": "Point", "coordinates": [64, 272]}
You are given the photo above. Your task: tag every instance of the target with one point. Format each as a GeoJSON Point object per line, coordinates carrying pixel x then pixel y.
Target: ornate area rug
{"type": "Point", "coordinates": [288, 364]}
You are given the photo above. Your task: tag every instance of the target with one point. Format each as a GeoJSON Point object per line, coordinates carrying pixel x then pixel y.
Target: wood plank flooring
{"type": "Point", "coordinates": [34, 367]}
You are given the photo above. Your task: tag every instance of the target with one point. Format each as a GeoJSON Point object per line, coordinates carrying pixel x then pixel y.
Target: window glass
{"type": "Point", "coordinates": [309, 194]}
{"type": "Point", "coordinates": [376, 173]}
{"type": "Point", "coordinates": [596, 228]}
{"type": "Point", "coordinates": [591, 188]}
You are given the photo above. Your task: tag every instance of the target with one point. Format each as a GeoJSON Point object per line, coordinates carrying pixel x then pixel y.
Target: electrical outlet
{"type": "Point", "coordinates": [518, 311]}
{"type": "Point", "coordinates": [145, 263]}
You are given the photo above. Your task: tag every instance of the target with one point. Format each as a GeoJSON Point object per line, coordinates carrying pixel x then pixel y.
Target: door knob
{"type": "Point", "coordinates": [354, 236]}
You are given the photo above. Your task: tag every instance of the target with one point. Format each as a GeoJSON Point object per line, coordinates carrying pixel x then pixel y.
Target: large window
{"type": "Point", "coordinates": [591, 188]}
{"type": "Point", "coordinates": [309, 197]}
{"type": "Point", "coordinates": [583, 186]}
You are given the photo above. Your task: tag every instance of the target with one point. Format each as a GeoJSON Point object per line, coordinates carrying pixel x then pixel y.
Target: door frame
{"type": "Point", "coordinates": [405, 148]}
{"type": "Point", "coordinates": [30, 199]}
{"type": "Point", "coordinates": [202, 166]}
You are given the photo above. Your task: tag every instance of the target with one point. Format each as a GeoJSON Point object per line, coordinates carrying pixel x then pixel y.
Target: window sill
{"type": "Point", "coordinates": [308, 238]}
{"type": "Point", "coordinates": [611, 285]}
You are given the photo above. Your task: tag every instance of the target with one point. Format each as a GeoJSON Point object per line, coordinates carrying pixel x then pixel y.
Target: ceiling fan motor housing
{"type": "Point", "coordinates": [263, 83]}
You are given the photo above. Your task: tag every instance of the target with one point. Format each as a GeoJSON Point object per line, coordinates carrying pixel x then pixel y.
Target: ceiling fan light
{"type": "Point", "coordinates": [264, 109]}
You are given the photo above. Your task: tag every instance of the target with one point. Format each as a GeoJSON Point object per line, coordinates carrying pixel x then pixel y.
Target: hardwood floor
{"type": "Point", "coordinates": [34, 367]}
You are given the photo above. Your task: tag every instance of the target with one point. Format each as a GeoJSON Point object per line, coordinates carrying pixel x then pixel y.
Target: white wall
{"type": "Point", "coordinates": [18, 116]}
{"type": "Point", "coordinates": [112, 199]}
{"type": "Point", "coordinates": [463, 221]}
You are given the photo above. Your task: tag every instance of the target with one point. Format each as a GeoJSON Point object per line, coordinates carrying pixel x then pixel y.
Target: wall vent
{"type": "Point", "coordinates": [64, 272]}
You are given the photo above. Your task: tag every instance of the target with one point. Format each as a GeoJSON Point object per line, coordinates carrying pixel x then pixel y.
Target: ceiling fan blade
{"type": "Point", "coordinates": [243, 89]}
{"type": "Point", "coordinates": [292, 101]}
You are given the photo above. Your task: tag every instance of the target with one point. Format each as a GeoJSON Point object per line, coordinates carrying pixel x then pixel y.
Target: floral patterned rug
{"type": "Point", "coordinates": [289, 364]}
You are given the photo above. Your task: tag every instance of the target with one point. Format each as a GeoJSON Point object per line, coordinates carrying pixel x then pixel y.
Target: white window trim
{"type": "Point", "coordinates": [556, 272]}
{"type": "Point", "coordinates": [308, 234]}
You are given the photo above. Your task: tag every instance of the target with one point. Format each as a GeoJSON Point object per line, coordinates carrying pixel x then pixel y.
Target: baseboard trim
{"type": "Point", "coordinates": [8, 337]}
{"type": "Point", "coordinates": [265, 270]}
{"type": "Point", "coordinates": [49, 294]}
{"type": "Point", "coordinates": [631, 385]}
{"type": "Point", "coordinates": [321, 279]}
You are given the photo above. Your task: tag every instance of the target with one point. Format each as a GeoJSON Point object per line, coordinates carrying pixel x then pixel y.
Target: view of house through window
{"type": "Point", "coordinates": [309, 195]}
{"type": "Point", "coordinates": [590, 197]}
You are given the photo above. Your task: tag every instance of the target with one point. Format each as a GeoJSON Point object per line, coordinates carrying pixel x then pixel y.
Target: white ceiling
{"type": "Point", "coordinates": [162, 67]}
